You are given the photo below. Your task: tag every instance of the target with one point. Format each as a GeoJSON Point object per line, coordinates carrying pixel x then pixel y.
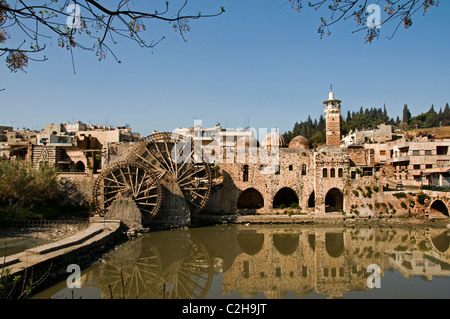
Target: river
{"type": "Point", "coordinates": [271, 261]}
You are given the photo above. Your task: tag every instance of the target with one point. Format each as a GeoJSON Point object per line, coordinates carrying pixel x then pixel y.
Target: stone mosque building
{"type": "Point", "coordinates": [323, 180]}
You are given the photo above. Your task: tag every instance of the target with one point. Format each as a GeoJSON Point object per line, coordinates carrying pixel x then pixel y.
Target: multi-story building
{"type": "Point", "coordinates": [215, 140]}
{"type": "Point", "coordinates": [413, 159]}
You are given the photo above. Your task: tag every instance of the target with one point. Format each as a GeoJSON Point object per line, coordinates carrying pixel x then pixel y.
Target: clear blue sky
{"type": "Point", "coordinates": [260, 63]}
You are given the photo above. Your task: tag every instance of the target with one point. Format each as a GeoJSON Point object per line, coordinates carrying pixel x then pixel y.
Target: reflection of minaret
{"type": "Point", "coordinates": [332, 110]}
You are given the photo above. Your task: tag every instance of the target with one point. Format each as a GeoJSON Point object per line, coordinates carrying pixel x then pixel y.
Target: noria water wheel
{"type": "Point", "coordinates": [124, 179]}
{"type": "Point", "coordinates": [179, 166]}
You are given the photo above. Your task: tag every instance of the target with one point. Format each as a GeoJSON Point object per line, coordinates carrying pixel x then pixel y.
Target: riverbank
{"type": "Point", "coordinates": [48, 262]}
{"type": "Point", "coordinates": [432, 221]}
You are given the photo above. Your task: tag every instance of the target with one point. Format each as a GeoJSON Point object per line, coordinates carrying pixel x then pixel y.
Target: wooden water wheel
{"type": "Point", "coordinates": [128, 180]}
{"type": "Point", "coordinates": [178, 164]}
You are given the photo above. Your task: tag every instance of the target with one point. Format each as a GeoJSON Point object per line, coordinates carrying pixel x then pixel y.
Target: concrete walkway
{"type": "Point", "coordinates": [97, 232]}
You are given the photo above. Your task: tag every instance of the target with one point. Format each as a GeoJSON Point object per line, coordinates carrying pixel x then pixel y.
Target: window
{"type": "Point", "coordinates": [353, 175]}
{"type": "Point", "coordinates": [291, 167]}
{"type": "Point", "coordinates": [277, 169]}
{"type": "Point", "coordinates": [416, 166]}
{"type": "Point", "coordinates": [324, 173]}
{"type": "Point", "coordinates": [261, 168]}
{"type": "Point", "coordinates": [383, 152]}
{"type": "Point", "coordinates": [427, 152]}
{"type": "Point", "coordinates": [304, 169]}
{"type": "Point", "coordinates": [416, 152]}
{"type": "Point", "coordinates": [428, 165]}
{"type": "Point", "coordinates": [332, 172]}
{"type": "Point", "coordinates": [245, 177]}
{"type": "Point", "coordinates": [441, 150]}
{"type": "Point", "coordinates": [443, 163]}
{"type": "Point", "coordinates": [367, 171]}
{"type": "Point", "coordinates": [340, 172]}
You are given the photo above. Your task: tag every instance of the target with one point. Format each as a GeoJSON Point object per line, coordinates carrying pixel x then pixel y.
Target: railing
{"type": "Point", "coordinates": [436, 188]}
{"type": "Point", "coordinates": [45, 223]}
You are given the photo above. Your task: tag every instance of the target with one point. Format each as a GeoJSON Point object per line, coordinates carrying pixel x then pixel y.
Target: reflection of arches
{"type": "Point", "coordinates": [334, 200]}
{"type": "Point", "coordinates": [79, 166]}
{"type": "Point", "coordinates": [286, 244]}
{"type": "Point", "coordinates": [334, 244]}
{"type": "Point", "coordinates": [250, 198]}
{"type": "Point", "coordinates": [312, 200]}
{"type": "Point", "coordinates": [285, 196]}
{"type": "Point", "coordinates": [250, 242]}
{"type": "Point", "coordinates": [441, 242]}
{"type": "Point", "coordinates": [439, 206]}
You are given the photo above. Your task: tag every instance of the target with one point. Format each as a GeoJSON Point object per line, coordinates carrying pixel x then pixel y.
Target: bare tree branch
{"type": "Point", "coordinates": [89, 26]}
{"type": "Point", "coordinates": [396, 10]}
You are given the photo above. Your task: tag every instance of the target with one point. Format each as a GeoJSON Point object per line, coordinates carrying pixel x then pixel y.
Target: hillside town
{"type": "Point", "coordinates": [328, 178]}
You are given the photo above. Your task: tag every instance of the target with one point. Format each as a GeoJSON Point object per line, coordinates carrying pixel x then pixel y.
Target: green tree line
{"type": "Point", "coordinates": [368, 119]}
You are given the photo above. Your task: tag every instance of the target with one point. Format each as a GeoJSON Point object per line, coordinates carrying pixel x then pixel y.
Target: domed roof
{"type": "Point", "coordinates": [246, 142]}
{"type": "Point", "coordinates": [273, 139]}
{"type": "Point", "coordinates": [299, 142]}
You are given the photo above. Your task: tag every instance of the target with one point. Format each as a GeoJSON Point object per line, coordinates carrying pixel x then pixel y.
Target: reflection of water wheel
{"type": "Point", "coordinates": [179, 164]}
{"type": "Point", "coordinates": [192, 279]}
{"type": "Point", "coordinates": [125, 179]}
{"type": "Point", "coordinates": [132, 281]}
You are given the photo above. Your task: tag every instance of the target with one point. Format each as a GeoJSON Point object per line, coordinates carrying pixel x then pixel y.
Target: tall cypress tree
{"type": "Point", "coordinates": [406, 114]}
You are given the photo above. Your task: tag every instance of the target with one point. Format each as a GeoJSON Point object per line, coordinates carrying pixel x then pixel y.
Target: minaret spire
{"type": "Point", "coordinates": [332, 108]}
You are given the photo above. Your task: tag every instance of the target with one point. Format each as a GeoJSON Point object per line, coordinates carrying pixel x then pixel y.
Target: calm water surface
{"type": "Point", "coordinates": [271, 261]}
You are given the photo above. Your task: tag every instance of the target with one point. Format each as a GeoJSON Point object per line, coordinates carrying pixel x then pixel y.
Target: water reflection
{"type": "Point", "coordinates": [268, 259]}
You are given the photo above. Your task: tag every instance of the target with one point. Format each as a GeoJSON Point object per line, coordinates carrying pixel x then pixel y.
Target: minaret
{"type": "Point", "coordinates": [332, 110]}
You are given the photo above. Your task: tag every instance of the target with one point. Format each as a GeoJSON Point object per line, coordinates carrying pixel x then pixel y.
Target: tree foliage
{"type": "Point", "coordinates": [27, 192]}
{"type": "Point", "coordinates": [26, 27]}
{"type": "Point", "coordinates": [399, 12]}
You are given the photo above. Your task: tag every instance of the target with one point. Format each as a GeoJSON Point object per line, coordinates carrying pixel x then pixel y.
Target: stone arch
{"type": "Point", "coordinates": [439, 206]}
{"type": "Point", "coordinates": [285, 196]}
{"type": "Point", "coordinates": [334, 244]}
{"type": "Point", "coordinates": [250, 242]}
{"type": "Point", "coordinates": [286, 244]}
{"type": "Point", "coordinates": [79, 166]}
{"type": "Point", "coordinates": [334, 200]}
{"type": "Point", "coordinates": [312, 200]}
{"type": "Point", "coordinates": [251, 199]}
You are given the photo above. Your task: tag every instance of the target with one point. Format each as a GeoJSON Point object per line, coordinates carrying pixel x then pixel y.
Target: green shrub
{"type": "Point", "coordinates": [294, 205]}
{"type": "Point", "coordinates": [422, 197]}
{"type": "Point", "coordinates": [27, 192]}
